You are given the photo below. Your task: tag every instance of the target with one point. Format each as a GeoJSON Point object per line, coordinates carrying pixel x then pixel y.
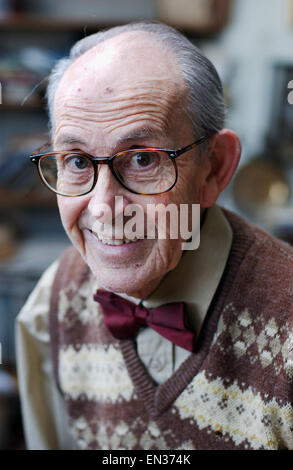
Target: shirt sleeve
{"type": "Point", "coordinates": [43, 408]}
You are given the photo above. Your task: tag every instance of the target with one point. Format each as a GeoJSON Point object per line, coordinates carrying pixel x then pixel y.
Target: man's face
{"type": "Point", "coordinates": [125, 93]}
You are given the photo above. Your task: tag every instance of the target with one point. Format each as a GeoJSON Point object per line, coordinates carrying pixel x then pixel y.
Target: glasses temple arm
{"type": "Point", "coordinates": [179, 152]}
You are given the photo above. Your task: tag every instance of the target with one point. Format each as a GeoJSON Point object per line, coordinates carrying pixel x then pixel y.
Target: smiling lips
{"type": "Point", "coordinates": [112, 241]}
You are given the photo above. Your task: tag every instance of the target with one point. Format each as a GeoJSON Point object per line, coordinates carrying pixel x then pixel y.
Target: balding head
{"type": "Point", "coordinates": [127, 79]}
{"type": "Point", "coordinates": [204, 102]}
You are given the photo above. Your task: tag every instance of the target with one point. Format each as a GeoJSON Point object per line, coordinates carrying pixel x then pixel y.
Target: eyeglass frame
{"type": "Point", "coordinates": [172, 154]}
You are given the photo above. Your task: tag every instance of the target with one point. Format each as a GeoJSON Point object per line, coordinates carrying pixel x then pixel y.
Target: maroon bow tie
{"type": "Point", "coordinates": [123, 318]}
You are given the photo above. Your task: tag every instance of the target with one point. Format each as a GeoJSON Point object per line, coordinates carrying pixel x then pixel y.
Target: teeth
{"type": "Point", "coordinates": [111, 241]}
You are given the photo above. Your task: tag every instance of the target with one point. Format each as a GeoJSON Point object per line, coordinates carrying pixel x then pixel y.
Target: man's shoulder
{"type": "Point", "coordinates": [72, 270]}
{"type": "Point", "coordinates": [34, 312]}
{"type": "Point", "coordinates": [246, 230]}
{"type": "Point", "coordinates": [266, 264]}
{"type": "Point", "coordinates": [69, 267]}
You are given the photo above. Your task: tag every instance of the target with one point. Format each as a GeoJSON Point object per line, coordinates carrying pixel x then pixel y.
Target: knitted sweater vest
{"type": "Point", "coordinates": [234, 392]}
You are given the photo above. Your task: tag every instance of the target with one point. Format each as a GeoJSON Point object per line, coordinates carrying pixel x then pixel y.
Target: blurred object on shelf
{"type": "Point", "coordinates": [16, 155]}
{"type": "Point", "coordinates": [33, 257]}
{"type": "Point", "coordinates": [38, 60]}
{"type": "Point", "coordinates": [7, 240]}
{"type": "Point", "coordinates": [19, 275]}
{"type": "Point", "coordinates": [109, 10]}
{"type": "Point", "coordinates": [20, 88]}
{"type": "Point", "coordinates": [8, 407]}
{"type": "Point", "coordinates": [279, 221]}
{"type": "Point", "coordinates": [20, 184]}
{"type": "Point", "coordinates": [280, 133]}
{"type": "Point", "coordinates": [195, 15]}
{"type": "Point", "coordinates": [290, 11]}
{"type": "Point", "coordinates": [7, 7]}
{"type": "Point", "coordinates": [262, 188]}
{"type": "Point", "coordinates": [25, 144]}
{"type": "Point", "coordinates": [15, 166]}
{"type": "Point", "coordinates": [12, 230]}
{"type": "Point", "coordinates": [24, 75]}
{"type": "Point", "coordinates": [226, 67]}
{"type": "Point", "coordinates": [260, 185]}
{"type": "Point", "coordinates": [37, 196]}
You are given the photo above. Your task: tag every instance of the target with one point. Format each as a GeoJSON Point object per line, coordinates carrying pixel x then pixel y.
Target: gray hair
{"type": "Point", "coordinates": [204, 104]}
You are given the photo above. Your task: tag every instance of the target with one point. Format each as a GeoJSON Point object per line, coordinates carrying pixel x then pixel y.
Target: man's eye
{"type": "Point", "coordinates": [144, 159]}
{"type": "Point", "coordinates": [76, 162]}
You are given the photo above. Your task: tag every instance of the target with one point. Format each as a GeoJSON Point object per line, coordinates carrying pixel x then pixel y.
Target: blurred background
{"type": "Point", "coordinates": [251, 45]}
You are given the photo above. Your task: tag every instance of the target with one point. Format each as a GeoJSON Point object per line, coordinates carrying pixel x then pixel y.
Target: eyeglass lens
{"type": "Point", "coordinates": [147, 172]}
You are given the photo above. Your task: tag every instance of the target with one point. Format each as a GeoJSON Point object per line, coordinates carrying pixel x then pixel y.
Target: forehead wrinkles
{"type": "Point", "coordinates": [153, 100]}
{"type": "Point", "coordinates": [143, 78]}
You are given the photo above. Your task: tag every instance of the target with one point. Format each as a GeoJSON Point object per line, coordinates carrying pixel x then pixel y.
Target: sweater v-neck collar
{"type": "Point", "coordinates": [158, 398]}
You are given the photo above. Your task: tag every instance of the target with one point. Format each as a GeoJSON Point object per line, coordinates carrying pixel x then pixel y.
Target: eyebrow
{"type": "Point", "coordinates": [138, 134]}
{"type": "Point", "coordinates": [68, 139]}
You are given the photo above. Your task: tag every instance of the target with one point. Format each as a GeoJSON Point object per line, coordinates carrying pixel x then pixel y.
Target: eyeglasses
{"type": "Point", "coordinates": [144, 171]}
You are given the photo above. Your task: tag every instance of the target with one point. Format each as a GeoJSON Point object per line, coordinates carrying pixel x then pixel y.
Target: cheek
{"type": "Point", "coordinates": [191, 180]}
{"type": "Point", "coordinates": [188, 188]}
{"type": "Point", "coordinates": [70, 210]}
{"type": "Point", "coordinates": [170, 252]}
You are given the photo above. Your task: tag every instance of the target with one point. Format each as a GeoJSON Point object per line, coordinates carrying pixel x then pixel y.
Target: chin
{"type": "Point", "coordinates": [130, 281]}
{"type": "Point", "coordinates": [135, 269]}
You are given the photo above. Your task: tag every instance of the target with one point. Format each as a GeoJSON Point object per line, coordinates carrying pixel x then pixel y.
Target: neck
{"type": "Point", "coordinates": [145, 291]}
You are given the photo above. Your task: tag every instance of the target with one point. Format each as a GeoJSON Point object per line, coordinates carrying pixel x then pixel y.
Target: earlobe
{"type": "Point", "coordinates": [224, 156]}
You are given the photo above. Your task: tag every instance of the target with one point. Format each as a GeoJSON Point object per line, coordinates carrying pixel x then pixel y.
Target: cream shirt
{"type": "Point", "coordinates": [194, 281]}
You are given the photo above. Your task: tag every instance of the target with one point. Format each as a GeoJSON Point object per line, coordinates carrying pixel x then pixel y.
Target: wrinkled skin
{"type": "Point", "coordinates": [127, 92]}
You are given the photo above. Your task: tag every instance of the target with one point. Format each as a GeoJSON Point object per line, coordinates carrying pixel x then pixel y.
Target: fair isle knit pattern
{"type": "Point", "coordinates": [234, 392]}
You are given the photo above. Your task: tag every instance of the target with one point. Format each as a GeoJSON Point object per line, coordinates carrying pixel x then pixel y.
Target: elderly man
{"type": "Point", "coordinates": [135, 343]}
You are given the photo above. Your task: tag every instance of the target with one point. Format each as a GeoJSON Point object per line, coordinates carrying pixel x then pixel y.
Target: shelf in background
{"type": "Point", "coordinates": [38, 22]}
{"type": "Point", "coordinates": [21, 199]}
{"type": "Point", "coordinates": [41, 23]}
{"type": "Point", "coordinates": [19, 107]}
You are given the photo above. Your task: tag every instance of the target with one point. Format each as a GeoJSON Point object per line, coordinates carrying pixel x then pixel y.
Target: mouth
{"type": "Point", "coordinates": [113, 241]}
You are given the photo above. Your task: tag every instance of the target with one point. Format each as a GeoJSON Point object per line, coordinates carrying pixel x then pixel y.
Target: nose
{"type": "Point", "coordinates": [104, 197]}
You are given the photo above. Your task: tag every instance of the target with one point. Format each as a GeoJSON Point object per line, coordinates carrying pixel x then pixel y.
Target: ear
{"type": "Point", "coordinates": [223, 158]}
